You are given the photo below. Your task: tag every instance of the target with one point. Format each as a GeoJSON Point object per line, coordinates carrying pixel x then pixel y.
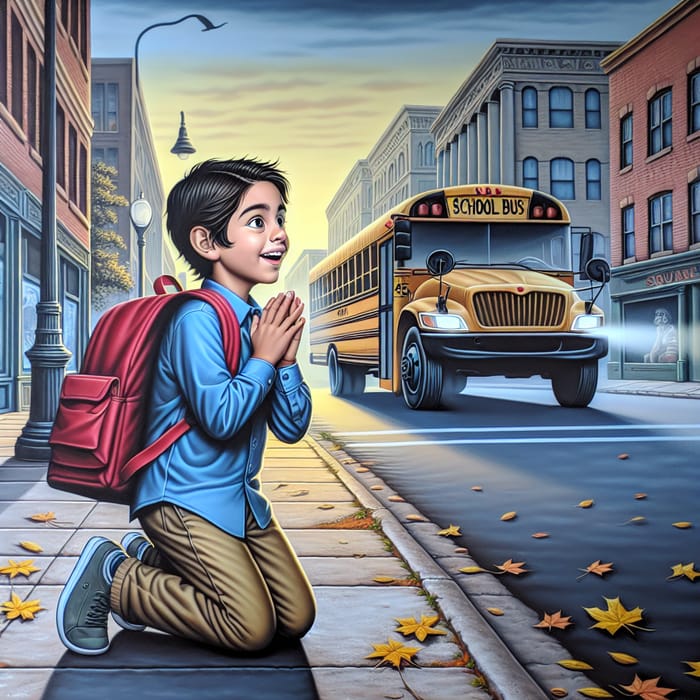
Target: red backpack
{"type": "Point", "coordinates": [97, 440]}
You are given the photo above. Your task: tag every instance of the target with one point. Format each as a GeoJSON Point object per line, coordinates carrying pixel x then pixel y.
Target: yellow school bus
{"type": "Point", "coordinates": [474, 280]}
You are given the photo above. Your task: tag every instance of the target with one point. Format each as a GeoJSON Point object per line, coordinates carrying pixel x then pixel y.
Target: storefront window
{"type": "Point", "coordinates": [4, 349]}
{"type": "Point", "coordinates": [651, 334]}
{"type": "Point", "coordinates": [31, 293]}
{"type": "Point", "coordinates": [70, 304]}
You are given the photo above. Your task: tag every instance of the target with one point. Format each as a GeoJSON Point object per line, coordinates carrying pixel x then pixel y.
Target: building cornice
{"type": "Point", "coordinates": [649, 35]}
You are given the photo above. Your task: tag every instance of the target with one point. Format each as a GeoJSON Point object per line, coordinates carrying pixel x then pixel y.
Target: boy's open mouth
{"type": "Point", "coordinates": [273, 256]}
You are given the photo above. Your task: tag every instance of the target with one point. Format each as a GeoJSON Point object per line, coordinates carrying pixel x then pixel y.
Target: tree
{"type": "Point", "coordinates": [108, 273]}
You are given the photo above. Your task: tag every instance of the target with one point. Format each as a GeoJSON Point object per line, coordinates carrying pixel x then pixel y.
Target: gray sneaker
{"type": "Point", "coordinates": [135, 544]}
{"type": "Point", "coordinates": [83, 606]}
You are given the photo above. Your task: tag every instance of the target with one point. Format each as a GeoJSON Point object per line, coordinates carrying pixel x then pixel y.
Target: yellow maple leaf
{"type": "Point", "coordinates": [554, 620]}
{"type": "Point", "coordinates": [452, 530]}
{"type": "Point", "coordinates": [394, 653]}
{"type": "Point", "coordinates": [615, 617]}
{"type": "Point", "coordinates": [16, 607]}
{"type": "Point", "coordinates": [695, 665]}
{"type": "Point", "coordinates": [648, 689]}
{"type": "Point", "coordinates": [687, 570]}
{"type": "Point", "coordinates": [43, 517]}
{"type": "Point", "coordinates": [421, 630]}
{"type": "Point", "coordinates": [512, 567]}
{"type": "Point", "coordinates": [597, 567]}
{"type": "Point", "coordinates": [17, 568]}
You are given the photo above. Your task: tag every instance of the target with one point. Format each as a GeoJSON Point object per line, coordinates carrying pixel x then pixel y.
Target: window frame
{"type": "Point", "coordinates": [694, 212]}
{"type": "Point", "coordinates": [626, 143]}
{"type": "Point", "coordinates": [661, 230]}
{"type": "Point", "coordinates": [529, 112]}
{"type": "Point", "coordinates": [694, 102]}
{"type": "Point", "coordinates": [627, 228]}
{"type": "Point", "coordinates": [531, 181]}
{"type": "Point", "coordinates": [660, 125]}
{"type": "Point", "coordinates": [566, 114]}
{"type": "Point", "coordinates": [556, 184]}
{"type": "Point", "coordinates": [593, 118]}
{"type": "Point", "coordinates": [592, 181]}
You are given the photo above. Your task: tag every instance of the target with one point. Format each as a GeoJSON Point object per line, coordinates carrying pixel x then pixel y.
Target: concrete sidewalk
{"type": "Point", "coordinates": [318, 504]}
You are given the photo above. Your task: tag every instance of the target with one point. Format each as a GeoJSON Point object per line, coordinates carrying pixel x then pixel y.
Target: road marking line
{"type": "Point", "coordinates": [524, 441]}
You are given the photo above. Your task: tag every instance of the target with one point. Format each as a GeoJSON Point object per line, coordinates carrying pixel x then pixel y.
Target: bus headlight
{"type": "Point", "coordinates": [443, 322]}
{"type": "Point", "coordinates": [587, 322]}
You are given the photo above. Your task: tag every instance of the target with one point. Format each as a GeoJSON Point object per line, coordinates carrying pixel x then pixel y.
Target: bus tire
{"type": "Point", "coordinates": [344, 379]}
{"type": "Point", "coordinates": [574, 385]}
{"type": "Point", "coordinates": [421, 376]}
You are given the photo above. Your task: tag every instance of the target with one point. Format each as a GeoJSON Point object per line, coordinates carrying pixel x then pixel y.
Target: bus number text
{"type": "Point", "coordinates": [401, 290]}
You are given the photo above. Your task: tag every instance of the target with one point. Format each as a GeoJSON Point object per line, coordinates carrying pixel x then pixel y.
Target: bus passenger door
{"type": "Point", "coordinates": [386, 301]}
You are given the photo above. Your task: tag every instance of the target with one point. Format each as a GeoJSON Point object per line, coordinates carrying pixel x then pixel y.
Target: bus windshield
{"type": "Point", "coordinates": [536, 246]}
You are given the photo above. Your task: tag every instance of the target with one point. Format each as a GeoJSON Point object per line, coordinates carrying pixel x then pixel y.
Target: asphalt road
{"type": "Point", "coordinates": [634, 457]}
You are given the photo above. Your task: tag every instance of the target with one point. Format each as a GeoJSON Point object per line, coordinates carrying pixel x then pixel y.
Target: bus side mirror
{"type": "Point", "coordinates": [402, 239]}
{"type": "Point", "coordinates": [585, 253]}
{"type": "Point", "coordinates": [598, 270]}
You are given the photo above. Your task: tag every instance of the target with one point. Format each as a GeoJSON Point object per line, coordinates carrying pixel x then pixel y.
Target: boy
{"type": "Point", "coordinates": [217, 569]}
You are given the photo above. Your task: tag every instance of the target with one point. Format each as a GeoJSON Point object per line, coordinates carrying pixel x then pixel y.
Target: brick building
{"type": "Point", "coordinates": [21, 72]}
{"type": "Point", "coordinates": [655, 199]}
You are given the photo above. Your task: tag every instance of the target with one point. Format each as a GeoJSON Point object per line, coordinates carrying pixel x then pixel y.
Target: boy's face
{"type": "Point", "coordinates": [259, 241]}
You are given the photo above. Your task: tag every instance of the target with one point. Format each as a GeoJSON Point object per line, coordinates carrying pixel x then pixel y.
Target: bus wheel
{"type": "Point", "coordinates": [421, 376]}
{"type": "Point", "coordinates": [344, 379]}
{"type": "Point", "coordinates": [574, 386]}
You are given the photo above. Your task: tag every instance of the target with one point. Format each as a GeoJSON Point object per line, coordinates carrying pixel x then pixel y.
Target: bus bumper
{"type": "Point", "coordinates": [468, 347]}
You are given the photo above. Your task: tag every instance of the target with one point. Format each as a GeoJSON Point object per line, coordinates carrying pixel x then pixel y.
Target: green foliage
{"type": "Point", "coordinates": [108, 274]}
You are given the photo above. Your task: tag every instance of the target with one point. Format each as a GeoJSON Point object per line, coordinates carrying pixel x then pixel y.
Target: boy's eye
{"type": "Point", "coordinates": [257, 222]}
{"type": "Point", "coordinates": [281, 221]}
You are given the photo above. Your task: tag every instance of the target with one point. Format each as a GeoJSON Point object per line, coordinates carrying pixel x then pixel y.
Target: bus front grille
{"type": "Point", "coordinates": [537, 309]}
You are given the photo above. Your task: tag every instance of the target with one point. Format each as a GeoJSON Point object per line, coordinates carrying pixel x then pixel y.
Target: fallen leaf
{"type": "Point", "coordinates": [624, 455]}
{"type": "Point", "coordinates": [461, 550]}
{"type": "Point", "coordinates": [640, 496]}
{"type": "Point", "coordinates": [300, 492]}
{"type": "Point", "coordinates": [558, 692]}
{"type": "Point", "coordinates": [326, 506]}
{"type": "Point", "coordinates": [396, 499]}
{"type": "Point", "coordinates": [575, 665]}
{"type": "Point", "coordinates": [695, 665]}
{"type": "Point", "coordinates": [495, 611]}
{"type": "Point", "coordinates": [394, 653]}
{"type": "Point", "coordinates": [384, 579]}
{"type": "Point", "coordinates": [472, 570]}
{"type": "Point", "coordinates": [585, 504]}
{"type": "Point", "coordinates": [31, 546]}
{"type": "Point", "coordinates": [422, 629]}
{"type": "Point", "coordinates": [343, 542]}
{"type": "Point", "coordinates": [510, 515]}
{"type": "Point", "coordinates": [687, 570]}
{"type": "Point", "coordinates": [594, 693]}
{"type": "Point", "coordinates": [413, 517]}
{"type": "Point", "coordinates": [43, 517]}
{"type": "Point", "coordinates": [636, 520]}
{"type": "Point", "coordinates": [648, 689]}
{"type": "Point", "coordinates": [361, 470]}
{"type": "Point", "coordinates": [280, 486]}
{"type": "Point", "coordinates": [540, 535]}
{"type": "Point", "coordinates": [554, 620]}
{"type": "Point", "coordinates": [452, 530]}
{"type": "Point", "coordinates": [683, 525]}
{"type": "Point", "coordinates": [615, 617]}
{"type": "Point", "coordinates": [477, 488]}
{"type": "Point", "coordinates": [19, 568]}
{"type": "Point", "coordinates": [16, 607]}
{"type": "Point", "coordinates": [376, 487]}
{"type": "Point", "coordinates": [512, 567]}
{"type": "Point", "coordinates": [347, 461]}
{"type": "Point", "coordinates": [624, 659]}
{"type": "Point", "coordinates": [597, 568]}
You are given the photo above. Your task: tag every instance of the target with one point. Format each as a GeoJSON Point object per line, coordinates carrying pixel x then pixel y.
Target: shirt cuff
{"type": "Point", "coordinates": [260, 370]}
{"type": "Point", "coordinates": [289, 377]}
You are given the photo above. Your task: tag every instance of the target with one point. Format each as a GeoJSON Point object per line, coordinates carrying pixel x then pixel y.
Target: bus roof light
{"type": "Point", "coordinates": [537, 211]}
{"type": "Point", "coordinates": [552, 212]}
{"type": "Point", "coordinates": [422, 209]}
{"type": "Point", "coordinates": [436, 209]}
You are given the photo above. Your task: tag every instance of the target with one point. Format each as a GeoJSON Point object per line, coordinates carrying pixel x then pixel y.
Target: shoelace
{"type": "Point", "coordinates": [99, 610]}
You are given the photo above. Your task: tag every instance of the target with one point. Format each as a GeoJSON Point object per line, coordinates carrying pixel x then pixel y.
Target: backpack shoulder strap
{"type": "Point", "coordinates": [231, 335]}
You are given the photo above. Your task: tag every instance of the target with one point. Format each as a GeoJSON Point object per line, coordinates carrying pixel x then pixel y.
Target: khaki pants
{"type": "Point", "coordinates": [206, 585]}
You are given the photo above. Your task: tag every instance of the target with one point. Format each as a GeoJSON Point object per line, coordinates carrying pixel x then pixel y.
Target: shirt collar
{"type": "Point", "coordinates": [241, 308]}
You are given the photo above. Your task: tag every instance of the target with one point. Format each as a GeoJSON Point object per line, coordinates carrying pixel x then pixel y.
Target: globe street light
{"type": "Point", "coordinates": [141, 215]}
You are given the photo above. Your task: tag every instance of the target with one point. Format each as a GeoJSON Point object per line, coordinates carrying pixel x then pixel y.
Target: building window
{"type": "Point", "coordinates": [529, 98]}
{"type": "Point", "coordinates": [531, 177]}
{"type": "Point", "coordinates": [105, 104]}
{"type": "Point", "coordinates": [694, 203]}
{"type": "Point", "coordinates": [593, 185]}
{"type": "Point", "coordinates": [72, 164]}
{"type": "Point", "coordinates": [70, 306]}
{"type": "Point", "coordinates": [661, 223]}
{"type": "Point", "coordinates": [110, 156]}
{"type": "Point", "coordinates": [60, 147]}
{"type": "Point", "coordinates": [32, 98]}
{"type": "Point", "coordinates": [561, 178]}
{"type": "Point", "coordinates": [83, 175]}
{"type": "Point", "coordinates": [694, 102]}
{"type": "Point", "coordinates": [17, 71]}
{"type": "Point", "coordinates": [628, 231]}
{"type": "Point", "coordinates": [561, 108]}
{"type": "Point", "coordinates": [660, 114]}
{"type": "Point", "coordinates": [593, 120]}
{"type": "Point", "coordinates": [3, 52]}
{"type": "Point", "coordinates": [626, 141]}
{"type": "Point", "coordinates": [31, 292]}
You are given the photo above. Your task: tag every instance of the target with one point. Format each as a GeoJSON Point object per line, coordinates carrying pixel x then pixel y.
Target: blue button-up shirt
{"type": "Point", "coordinates": [213, 470]}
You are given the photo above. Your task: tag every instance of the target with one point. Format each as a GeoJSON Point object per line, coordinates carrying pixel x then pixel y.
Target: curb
{"type": "Point", "coordinates": [506, 677]}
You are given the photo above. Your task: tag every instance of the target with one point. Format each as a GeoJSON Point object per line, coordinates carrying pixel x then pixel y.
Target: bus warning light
{"type": "Point", "coordinates": [537, 211]}
{"type": "Point", "coordinates": [422, 209]}
{"type": "Point", "coordinates": [436, 209]}
{"type": "Point", "coordinates": [552, 213]}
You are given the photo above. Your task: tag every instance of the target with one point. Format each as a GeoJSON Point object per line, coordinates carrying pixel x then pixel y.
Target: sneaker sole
{"type": "Point", "coordinates": [72, 581]}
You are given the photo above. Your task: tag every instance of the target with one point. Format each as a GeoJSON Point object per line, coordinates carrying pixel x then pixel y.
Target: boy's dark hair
{"type": "Point", "coordinates": [208, 195]}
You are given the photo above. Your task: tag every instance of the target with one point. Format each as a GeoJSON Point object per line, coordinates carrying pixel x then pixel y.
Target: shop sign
{"type": "Point", "coordinates": [681, 274]}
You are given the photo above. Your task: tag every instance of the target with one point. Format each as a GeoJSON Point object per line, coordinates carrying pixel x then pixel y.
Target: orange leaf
{"type": "Point", "coordinates": [477, 488]}
{"type": "Point", "coordinates": [586, 504]}
{"type": "Point", "coordinates": [554, 620]}
{"type": "Point", "coordinates": [683, 525]}
{"type": "Point", "coordinates": [648, 689]}
{"type": "Point", "coordinates": [540, 535]}
{"type": "Point", "coordinates": [510, 515]}
{"type": "Point", "coordinates": [624, 455]}
{"type": "Point", "coordinates": [394, 653]}
{"type": "Point", "coordinates": [597, 568]}
{"type": "Point", "coordinates": [512, 567]}
{"type": "Point", "coordinates": [495, 611]}
{"type": "Point", "coordinates": [640, 496]}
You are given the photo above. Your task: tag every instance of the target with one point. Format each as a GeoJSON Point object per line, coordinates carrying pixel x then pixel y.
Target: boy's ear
{"type": "Point", "coordinates": [202, 244]}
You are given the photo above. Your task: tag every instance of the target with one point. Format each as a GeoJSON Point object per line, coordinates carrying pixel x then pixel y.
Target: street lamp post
{"type": "Point", "coordinates": [141, 214]}
{"type": "Point", "coordinates": [183, 147]}
{"type": "Point", "coordinates": [48, 356]}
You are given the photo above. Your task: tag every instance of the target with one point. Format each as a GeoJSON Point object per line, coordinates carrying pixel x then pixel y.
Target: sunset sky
{"type": "Point", "coordinates": [314, 83]}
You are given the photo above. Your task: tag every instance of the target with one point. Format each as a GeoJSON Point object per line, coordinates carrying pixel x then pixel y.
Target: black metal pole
{"type": "Point", "coordinates": [48, 356]}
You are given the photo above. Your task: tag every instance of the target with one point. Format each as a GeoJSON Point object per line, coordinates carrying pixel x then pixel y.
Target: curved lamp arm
{"type": "Point", "coordinates": [208, 26]}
